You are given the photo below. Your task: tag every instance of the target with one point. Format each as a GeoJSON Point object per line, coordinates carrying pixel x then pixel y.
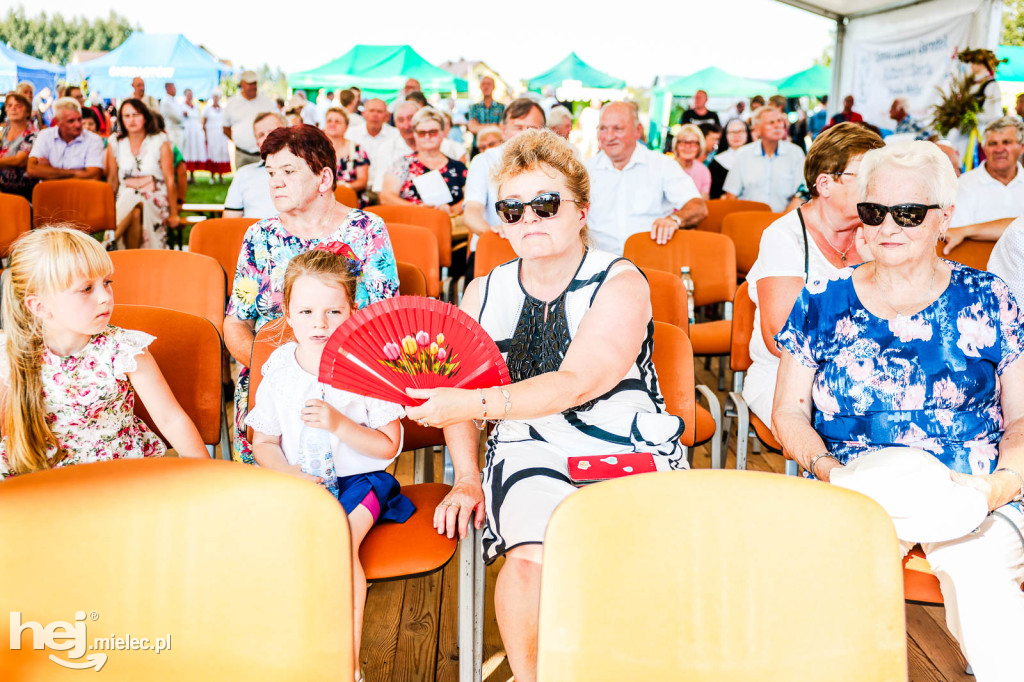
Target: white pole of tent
{"type": "Point", "coordinates": [837, 68]}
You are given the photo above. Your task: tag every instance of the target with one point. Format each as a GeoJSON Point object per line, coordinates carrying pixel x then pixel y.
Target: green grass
{"type": "Point", "coordinates": [202, 192]}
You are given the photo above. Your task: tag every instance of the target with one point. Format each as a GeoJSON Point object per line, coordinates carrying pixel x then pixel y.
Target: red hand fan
{"type": "Point", "coordinates": [410, 342]}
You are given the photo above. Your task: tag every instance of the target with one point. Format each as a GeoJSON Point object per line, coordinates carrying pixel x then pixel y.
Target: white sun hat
{"type": "Point", "coordinates": [916, 490]}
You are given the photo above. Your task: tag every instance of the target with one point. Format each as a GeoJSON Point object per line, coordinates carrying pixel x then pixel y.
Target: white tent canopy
{"type": "Point", "coordinates": [889, 48]}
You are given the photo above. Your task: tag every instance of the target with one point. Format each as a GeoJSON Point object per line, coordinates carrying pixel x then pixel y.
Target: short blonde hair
{"type": "Point", "coordinates": [755, 118]}
{"type": "Point", "coordinates": [693, 130]}
{"type": "Point", "coordinates": [428, 114]}
{"type": "Point", "coordinates": [533, 150]}
{"type": "Point", "coordinates": [336, 110]}
{"type": "Point", "coordinates": [918, 156]}
{"type": "Point", "coordinates": [66, 103]}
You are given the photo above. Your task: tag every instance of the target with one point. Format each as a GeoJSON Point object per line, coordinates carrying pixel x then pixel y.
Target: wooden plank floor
{"type": "Point", "coordinates": [409, 633]}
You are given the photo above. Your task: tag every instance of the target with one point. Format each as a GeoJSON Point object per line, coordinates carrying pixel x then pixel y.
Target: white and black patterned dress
{"type": "Point", "coordinates": [526, 472]}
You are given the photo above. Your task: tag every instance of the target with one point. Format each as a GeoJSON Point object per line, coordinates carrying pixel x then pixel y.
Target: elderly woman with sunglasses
{"type": "Point", "coordinates": [400, 183]}
{"type": "Point", "coordinates": [909, 350]}
{"type": "Point", "coordinates": [576, 389]}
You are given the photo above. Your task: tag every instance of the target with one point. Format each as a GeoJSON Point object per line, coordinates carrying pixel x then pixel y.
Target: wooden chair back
{"type": "Point", "coordinates": [15, 220]}
{"type": "Point", "coordinates": [745, 229]}
{"type": "Point", "coordinates": [86, 204]}
{"type": "Point", "coordinates": [970, 252]}
{"type": "Point", "coordinates": [411, 281]}
{"type": "Point", "coordinates": [492, 250]}
{"type": "Point", "coordinates": [417, 245]}
{"type": "Point", "coordinates": [710, 256]}
{"type": "Point", "coordinates": [220, 238]}
{"type": "Point", "coordinates": [434, 219]}
{"type": "Point", "coordinates": [668, 298]}
{"type": "Point", "coordinates": [344, 194]}
{"type": "Point", "coordinates": [719, 208]}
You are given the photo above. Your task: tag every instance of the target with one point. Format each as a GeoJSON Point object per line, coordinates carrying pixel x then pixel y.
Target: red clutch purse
{"type": "Point", "coordinates": [410, 342]}
{"type": "Point", "coordinates": [593, 468]}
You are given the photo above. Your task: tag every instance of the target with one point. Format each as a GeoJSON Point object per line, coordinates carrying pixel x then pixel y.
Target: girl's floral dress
{"type": "Point", "coordinates": [929, 380]}
{"type": "Point", "coordinates": [408, 167]}
{"type": "Point", "coordinates": [90, 402]}
{"type": "Point", "coordinates": [258, 290]}
{"type": "Point", "coordinates": [348, 165]}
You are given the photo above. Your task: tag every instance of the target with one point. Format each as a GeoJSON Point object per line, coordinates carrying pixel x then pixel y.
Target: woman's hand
{"type": "Point", "coordinates": [173, 222]}
{"type": "Point", "coordinates": [953, 238]}
{"type": "Point", "coordinates": [453, 513]}
{"type": "Point", "coordinates": [861, 245]}
{"type": "Point", "coordinates": [444, 406]}
{"type": "Point", "coordinates": [999, 488]}
{"type": "Point", "coordinates": [320, 415]}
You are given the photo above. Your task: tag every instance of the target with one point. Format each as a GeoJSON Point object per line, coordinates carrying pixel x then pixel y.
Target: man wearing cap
{"type": "Point", "coordinates": [240, 112]}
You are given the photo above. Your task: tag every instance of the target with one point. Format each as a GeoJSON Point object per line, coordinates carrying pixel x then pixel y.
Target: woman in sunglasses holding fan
{"type": "Point", "coordinates": [576, 388]}
{"type": "Point", "coordinates": [912, 351]}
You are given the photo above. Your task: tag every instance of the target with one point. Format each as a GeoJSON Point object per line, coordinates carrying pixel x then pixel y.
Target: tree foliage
{"type": "Point", "coordinates": [54, 38]}
{"type": "Point", "coordinates": [1013, 22]}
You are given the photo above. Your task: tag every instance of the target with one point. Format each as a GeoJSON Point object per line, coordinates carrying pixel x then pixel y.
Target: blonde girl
{"type": "Point", "coordinates": [69, 381]}
{"type": "Point", "coordinates": [332, 437]}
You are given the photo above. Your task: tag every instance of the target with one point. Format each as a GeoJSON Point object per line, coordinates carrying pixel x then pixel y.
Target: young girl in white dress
{"type": "Point", "coordinates": [69, 380]}
{"type": "Point", "coordinates": [358, 437]}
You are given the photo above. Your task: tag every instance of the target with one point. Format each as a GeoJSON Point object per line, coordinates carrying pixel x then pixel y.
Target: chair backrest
{"type": "Point", "coordinates": [673, 361]}
{"type": "Point", "coordinates": [411, 282]}
{"type": "Point", "coordinates": [745, 228]}
{"type": "Point", "coordinates": [15, 220]}
{"type": "Point", "coordinates": [719, 208]}
{"type": "Point", "coordinates": [706, 578]}
{"type": "Point", "coordinates": [272, 335]}
{"type": "Point", "coordinates": [169, 547]}
{"type": "Point", "coordinates": [346, 195]}
{"type": "Point", "coordinates": [417, 245]}
{"type": "Point", "coordinates": [178, 280]}
{"type": "Point", "coordinates": [220, 238]}
{"type": "Point", "coordinates": [970, 252]}
{"type": "Point", "coordinates": [743, 310]}
{"type": "Point", "coordinates": [434, 219]}
{"type": "Point", "coordinates": [492, 250]}
{"type": "Point", "coordinates": [710, 256]}
{"type": "Point", "coordinates": [668, 298]}
{"type": "Point", "coordinates": [86, 204]}
{"type": "Point", "coordinates": [188, 351]}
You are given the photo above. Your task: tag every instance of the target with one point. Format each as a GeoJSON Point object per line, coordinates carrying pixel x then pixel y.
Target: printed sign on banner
{"type": "Point", "coordinates": [912, 67]}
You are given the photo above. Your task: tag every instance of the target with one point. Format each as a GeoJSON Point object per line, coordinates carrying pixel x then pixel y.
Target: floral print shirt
{"type": "Point", "coordinates": [14, 180]}
{"type": "Point", "coordinates": [258, 290]}
{"type": "Point", "coordinates": [348, 165]}
{"type": "Point", "coordinates": [90, 402]}
{"type": "Point", "coordinates": [928, 380]}
{"type": "Point", "coordinates": [408, 167]}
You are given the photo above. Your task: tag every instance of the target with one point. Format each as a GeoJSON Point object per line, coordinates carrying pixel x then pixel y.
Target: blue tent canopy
{"type": "Point", "coordinates": [158, 58]}
{"type": "Point", "coordinates": [17, 66]}
{"type": "Point", "coordinates": [1012, 70]}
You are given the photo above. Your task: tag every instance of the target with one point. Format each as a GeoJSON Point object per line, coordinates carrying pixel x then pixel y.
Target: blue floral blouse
{"type": "Point", "coordinates": [929, 380]}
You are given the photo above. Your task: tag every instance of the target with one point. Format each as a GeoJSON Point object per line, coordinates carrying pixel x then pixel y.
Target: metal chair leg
{"type": "Point", "coordinates": [471, 576]}
{"type": "Point", "coordinates": [792, 468]}
{"type": "Point", "coordinates": [717, 454]}
{"type": "Point", "coordinates": [423, 465]}
{"type": "Point", "coordinates": [742, 428]}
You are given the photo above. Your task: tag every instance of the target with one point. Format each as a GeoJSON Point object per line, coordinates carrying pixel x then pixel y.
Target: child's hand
{"type": "Point", "coordinates": [296, 470]}
{"type": "Point", "coordinates": [320, 415]}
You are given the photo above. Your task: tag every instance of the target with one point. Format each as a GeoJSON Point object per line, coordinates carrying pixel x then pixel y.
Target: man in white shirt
{"type": "Point", "coordinates": [249, 193]}
{"type": "Point", "coordinates": [481, 192]}
{"type": "Point", "coordinates": [239, 113]}
{"type": "Point", "coordinates": [139, 93]}
{"type": "Point", "coordinates": [995, 189]}
{"type": "Point", "coordinates": [633, 189]}
{"type": "Point", "coordinates": [174, 122]}
{"type": "Point", "coordinates": [393, 149]}
{"type": "Point", "coordinates": [1007, 259]}
{"type": "Point", "coordinates": [770, 170]}
{"type": "Point", "coordinates": [376, 139]}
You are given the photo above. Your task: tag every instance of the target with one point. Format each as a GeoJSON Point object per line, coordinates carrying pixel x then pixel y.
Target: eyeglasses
{"type": "Point", "coordinates": [426, 133]}
{"type": "Point", "coordinates": [689, 143]}
{"type": "Point", "coordinates": [544, 205]}
{"type": "Point", "coordinates": [904, 215]}
{"type": "Point", "coordinates": [840, 173]}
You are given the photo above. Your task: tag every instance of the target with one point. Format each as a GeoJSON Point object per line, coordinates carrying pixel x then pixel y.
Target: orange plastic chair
{"type": "Point", "coordinates": [719, 208]}
{"type": "Point", "coordinates": [711, 258]}
{"type": "Point", "coordinates": [673, 360]}
{"type": "Point", "coordinates": [742, 329]}
{"type": "Point", "coordinates": [417, 245]}
{"type": "Point", "coordinates": [668, 298]}
{"type": "Point", "coordinates": [492, 250]}
{"type": "Point", "coordinates": [15, 220]}
{"type": "Point", "coordinates": [220, 238]}
{"type": "Point", "coordinates": [411, 281]}
{"type": "Point", "coordinates": [346, 195]}
{"type": "Point", "coordinates": [745, 229]}
{"type": "Point", "coordinates": [178, 280]}
{"type": "Point", "coordinates": [188, 351]}
{"type": "Point", "coordinates": [618, 601]}
{"type": "Point", "coordinates": [247, 571]}
{"type": "Point", "coordinates": [434, 219]}
{"type": "Point", "coordinates": [86, 204]}
{"type": "Point", "coordinates": [969, 252]}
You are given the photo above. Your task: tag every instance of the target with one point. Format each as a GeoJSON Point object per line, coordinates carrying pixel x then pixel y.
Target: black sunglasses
{"type": "Point", "coordinates": [544, 205]}
{"type": "Point", "coordinates": [904, 215]}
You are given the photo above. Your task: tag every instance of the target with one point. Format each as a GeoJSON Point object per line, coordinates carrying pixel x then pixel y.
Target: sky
{"type": "Point", "coordinates": [519, 39]}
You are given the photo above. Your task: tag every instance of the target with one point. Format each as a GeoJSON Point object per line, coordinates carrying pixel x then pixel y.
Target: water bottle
{"type": "Point", "coordinates": [315, 455]}
{"type": "Point", "coordinates": [684, 274]}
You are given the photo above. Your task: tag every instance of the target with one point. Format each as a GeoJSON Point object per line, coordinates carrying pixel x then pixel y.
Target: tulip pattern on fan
{"type": "Point", "coordinates": [420, 354]}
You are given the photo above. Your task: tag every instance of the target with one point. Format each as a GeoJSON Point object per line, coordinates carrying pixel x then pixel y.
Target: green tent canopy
{"type": "Point", "coordinates": [719, 83]}
{"type": "Point", "coordinates": [378, 70]}
{"type": "Point", "coordinates": [816, 81]}
{"type": "Point", "coordinates": [572, 68]}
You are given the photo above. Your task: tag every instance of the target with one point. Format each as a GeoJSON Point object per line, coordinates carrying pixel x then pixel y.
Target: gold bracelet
{"type": "Point", "coordinates": [481, 423]}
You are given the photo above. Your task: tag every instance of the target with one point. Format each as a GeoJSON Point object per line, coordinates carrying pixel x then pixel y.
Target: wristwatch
{"type": "Point", "coordinates": [673, 217]}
